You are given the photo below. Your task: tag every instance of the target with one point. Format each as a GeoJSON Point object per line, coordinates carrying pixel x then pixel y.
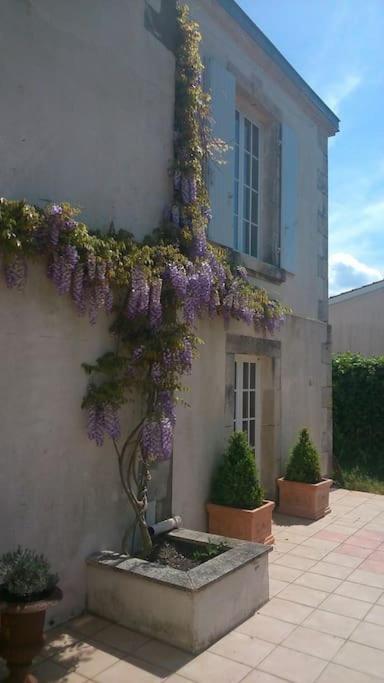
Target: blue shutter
{"type": "Point", "coordinates": [289, 197]}
{"type": "Point", "coordinates": [222, 85]}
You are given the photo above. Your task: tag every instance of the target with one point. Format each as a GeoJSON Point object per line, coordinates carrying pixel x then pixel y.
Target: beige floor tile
{"type": "Point", "coordinates": [361, 658]}
{"type": "Point", "coordinates": [121, 638]}
{"type": "Point", "coordinates": [87, 624]}
{"type": "Point", "coordinates": [275, 587]}
{"type": "Point", "coordinates": [309, 552]}
{"type": "Point", "coordinates": [367, 578]}
{"type": "Point", "coordinates": [162, 654]}
{"type": "Point", "coordinates": [346, 606]}
{"type": "Point", "coordinates": [294, 666]}
{"type": "Point", "coordinates": [302, 595]}
{"type": "Point", "coordinates": [296, 562]}
{"type": "Point", "coordinates": [334, 673]}
{"type": "Point", "coordinates": [266, 628]}
{"type": "Point", "coordinates": [282, 573]}
{"type": "Point", "coordinates": [369, 634]}
{"type": "Point", "coordinates": [285, 610]}
{"type": "Point", "coordinates": [58, 639]}
{"type": "Point", "coordinates": [175, 678]}
{"type": "Point", "coordinates": [242, 648]}
{"type": "Point", "coordinates": [376, 615]}
{"type": "Point", "coordinates": [314, 643]}
{"type": "Point", "coordinates": [273, 557]}
{"type": "Point", "coordinates": [344, 560]}
{"type": "Point", "coordinates": [50, 672]}
{"type": "Point", "coordinates": [328, 622]}
{"type": "Point", "coordinates": [262, 677]}
{"type": "Point", "coordinates": [381, 600]}
{"type": "Point", "coordinates": [322, 583]}
{"type": "Point", "coordinates": [132, 669]}
{"type": "Point", "coordinates": [86, 659]}
{"type": "Point", "coordinates": [358, 591]}
{"type": "Point", "coordinates": [282, 546]}
{"type": "Point", "coordinates": [215, 669]}
{"type": "Point", "coordinates": [332, 570]}
{"type": "Point", "coordinates": [326, 546]}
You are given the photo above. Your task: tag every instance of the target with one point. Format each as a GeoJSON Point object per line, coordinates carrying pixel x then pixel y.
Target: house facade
{"type": "Point", "coordinates": [88, 118]}
{"type": "Point", "coordinates": [356, 318]}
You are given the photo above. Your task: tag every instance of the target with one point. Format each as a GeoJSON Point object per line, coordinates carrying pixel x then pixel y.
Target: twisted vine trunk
{"type": "Point", "coordinates": [135, 476]}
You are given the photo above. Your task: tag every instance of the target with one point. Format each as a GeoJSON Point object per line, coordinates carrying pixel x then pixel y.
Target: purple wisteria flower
{"type": "Point", "coordinates": [95, 428]}
{"type": "Point", "coordinates": [111, 421]}
{"type": "Point", "coordinates": [155, 309]}
{"type": "Point", "coordinates": [15, 273]}
{"type": "Point", "coordinates": [139, 297]}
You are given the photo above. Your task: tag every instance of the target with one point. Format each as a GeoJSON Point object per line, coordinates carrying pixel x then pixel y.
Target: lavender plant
{"type": "Point", "coordinates": [25, 574]}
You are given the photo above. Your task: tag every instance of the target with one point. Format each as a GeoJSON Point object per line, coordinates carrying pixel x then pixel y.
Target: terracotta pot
{"type": "Point", "coordinates": [248, 525]}
{"type": "Point", "coordinates": [21, 632]}
{"type": "Point", "coordinates": [304, 500]}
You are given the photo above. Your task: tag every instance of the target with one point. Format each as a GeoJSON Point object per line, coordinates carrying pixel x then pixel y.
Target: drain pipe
{"type": "Point", "coordinates": [166, 525]}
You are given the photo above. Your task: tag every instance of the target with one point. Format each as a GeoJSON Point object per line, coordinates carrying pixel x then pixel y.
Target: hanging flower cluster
{"type": "Point", "coordinates": [158, 289]}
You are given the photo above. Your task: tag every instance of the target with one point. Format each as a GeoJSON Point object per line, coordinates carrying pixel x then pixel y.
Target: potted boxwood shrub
{"type": "Point", "coordinates": [303, 492]}
{"type": "Point", "coordinates": [238, 508]}
{"type": "Point", "coordinates": [27, 589]}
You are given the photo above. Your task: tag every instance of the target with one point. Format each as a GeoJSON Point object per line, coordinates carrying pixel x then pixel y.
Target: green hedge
{"type": "Point", "coordinates": [358, 412]}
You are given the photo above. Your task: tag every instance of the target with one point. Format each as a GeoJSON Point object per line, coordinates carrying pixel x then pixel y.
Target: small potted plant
{"type": "Point", "coordinates": [303, 492]}
{"type": "Point", "coordinates": [238, 508]}
{"type": "Point", "coordinates": [27, 589]}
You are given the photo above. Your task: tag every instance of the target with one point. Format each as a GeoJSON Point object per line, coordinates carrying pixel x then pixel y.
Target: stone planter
{"type": "Point", "coordinates": [189, 609]}
{"type": "Point", "coordinates": [248, 525]}
{"type": "Point", "coordinates": [304, 500]}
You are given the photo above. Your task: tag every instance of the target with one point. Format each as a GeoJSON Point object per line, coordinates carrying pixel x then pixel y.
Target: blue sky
{"type": "Point", "coordinates": [338, 48]}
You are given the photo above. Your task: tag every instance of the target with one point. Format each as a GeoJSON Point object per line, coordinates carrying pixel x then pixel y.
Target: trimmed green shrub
{"type": "Point", "coordinates": [236, 481]}
{"type": "Point", "coordinates": [358, 413]}
{"type": "Point", "coordinates": [304, 461]}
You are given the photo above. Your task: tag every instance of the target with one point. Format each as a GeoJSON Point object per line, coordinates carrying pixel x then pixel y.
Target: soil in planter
{"type": "Point", "coordinates": [183, 556]}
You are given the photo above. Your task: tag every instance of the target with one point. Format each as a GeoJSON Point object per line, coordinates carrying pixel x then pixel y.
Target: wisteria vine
{"type": "Point", "coordinates": [157, 289]}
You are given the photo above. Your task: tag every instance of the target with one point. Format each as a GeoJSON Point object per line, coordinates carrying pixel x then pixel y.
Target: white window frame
{"type": "Point", "coordinates": [239, 214]}
{"type": "Point", "coordinates": [239, 390]}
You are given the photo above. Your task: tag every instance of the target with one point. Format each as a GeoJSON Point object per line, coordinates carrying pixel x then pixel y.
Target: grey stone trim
{"type": "Point", "coordinates": [162, 24]}
{"type": "Point", "coordinates": [323, 310]}
{"type": "Point", "coordinates": [258, 268]}
{"type": "Point", "coordinates": [238, 554]}
{"type": "Point", "coordinates": [242, 344]}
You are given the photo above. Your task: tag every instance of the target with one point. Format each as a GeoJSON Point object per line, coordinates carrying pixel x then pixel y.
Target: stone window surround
{"type": "Point", "coordinates": [269, 352]}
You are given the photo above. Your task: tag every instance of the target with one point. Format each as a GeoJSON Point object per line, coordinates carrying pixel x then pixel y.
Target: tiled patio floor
{"type": "Point", "coordinates": [324, 622]}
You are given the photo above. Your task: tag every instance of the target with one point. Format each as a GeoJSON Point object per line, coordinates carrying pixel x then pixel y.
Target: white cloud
{"type": "Point", "coordinates": [340, 90]}
{"type": "Point", "coordinates": [347, 272]}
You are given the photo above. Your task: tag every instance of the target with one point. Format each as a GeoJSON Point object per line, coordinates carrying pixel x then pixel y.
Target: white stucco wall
{"type": "Point", "coordinates": [87, 109]}
{"type": "Point", "coordinates": [357, 321]}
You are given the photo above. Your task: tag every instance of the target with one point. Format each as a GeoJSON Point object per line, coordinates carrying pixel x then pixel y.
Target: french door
{"type": "Point", "coordinates": [247, 408]}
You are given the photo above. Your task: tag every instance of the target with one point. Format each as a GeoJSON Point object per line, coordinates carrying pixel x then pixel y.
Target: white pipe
{"type": "Point", "coordinates": [165, 525]}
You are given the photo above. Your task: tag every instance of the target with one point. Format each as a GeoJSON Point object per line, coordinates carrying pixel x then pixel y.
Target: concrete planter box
{"type": "Point", "coordinates": [191, 609]}
{"type": "Point", "coordinates": [304, 500]}
{"type": "Point", "coordinates": [248, 525]}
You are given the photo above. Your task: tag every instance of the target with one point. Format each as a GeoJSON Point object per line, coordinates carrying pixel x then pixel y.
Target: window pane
{"type": "Point", "coordinates": [246, 237]}
{"type": "Point", "coordinates": [247, 168]}
{"type": "Point", "coordinates": [252, 433]}
{"type": "Point", "coordinates": [236, 231]}
{"type": "Point", "coordinates": [255, 173]}
{"type": "Point", "coordinates": [236, 161]}
{"type": "Point", "coordinates": [255, 141]}
{"type": "Point", "coordinates": [236, 198]}
{"type": "Point", "coordinates": [255, 206]}
{"type": "Point", "coordinates": [252, 380]}
{"type": "Point", "coordinates": [237, 127]}
{"type": "Point", "coordinates": [252, 404]}
{"type": "Point", "coordinates": [247, 135]}
{"type": "Point", "coordinates": [246, 202]}
{"type": "Point", "coordinates": [253, 240]}
{"type": "Point", "coordinates": [245, 427]}
{"type": "Point", "coordinates": [245, 405]}
{"type": "Point", "coordinates": [245, 375]}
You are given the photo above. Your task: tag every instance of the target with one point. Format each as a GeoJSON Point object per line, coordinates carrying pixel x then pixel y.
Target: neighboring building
{"type": "Point", "coordinates": [357, 320]}
{"type": "Point", "coordinates": [87, 117]}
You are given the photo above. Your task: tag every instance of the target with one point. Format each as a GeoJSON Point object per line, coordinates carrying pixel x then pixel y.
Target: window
{"type": "Point", "coordinates": [246, 191]}
{"type": "Point", "coordinates": [246, 416]}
